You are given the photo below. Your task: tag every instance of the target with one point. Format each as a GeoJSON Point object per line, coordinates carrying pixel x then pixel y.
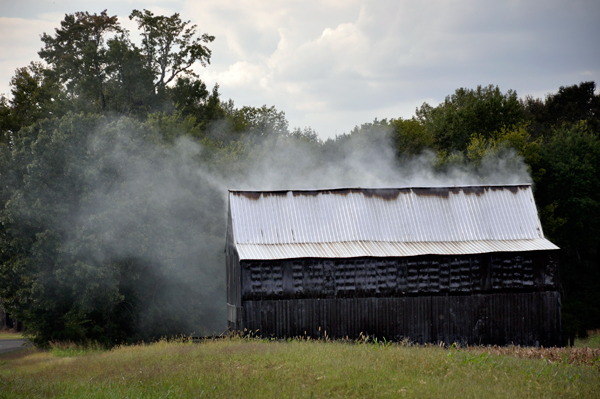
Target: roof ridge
{"type": "Point", "coordinates": [381, 188]}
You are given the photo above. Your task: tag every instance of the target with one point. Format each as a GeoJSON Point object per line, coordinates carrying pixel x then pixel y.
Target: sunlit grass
{"type": "Point", "coordinates": [252, 367]}
{"type": "Point", "coordinates": [10, 335]}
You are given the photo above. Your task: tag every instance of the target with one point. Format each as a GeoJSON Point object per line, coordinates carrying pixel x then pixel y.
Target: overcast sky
{"type": "Point", "coordinates": [334, 64]}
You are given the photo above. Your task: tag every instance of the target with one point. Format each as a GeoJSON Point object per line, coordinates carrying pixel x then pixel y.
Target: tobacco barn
{"type": "Point", "coordinates": [465, 264]}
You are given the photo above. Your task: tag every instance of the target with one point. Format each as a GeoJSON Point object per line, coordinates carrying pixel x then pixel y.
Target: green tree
{"type": "Point", "coordinates": [6, 121]}
{"type": "Point", "coordinates": [259, 123]}
{"type": "Point", "coordinates": [102, 70]}
{"type": "Point", "coordinates": [170, 46]}
{"type": "Point", "coordinates": [191, 98]}
{"type": "Point", "coordinates": [516, 138]}
{"type": "Point", "coordinates": [78, 54]}
{"type": "Point", "coordinates": [107, 233]}
{"type": "Point", "coordinates": [129, 87]}
{"type": "Point", "coordinates": [484, 111]}
{"type": "Point", "coordinates": [307, 135]}
{"type": "Point", "coordinates": [36, 95]}
{"type": "Point", "coordinates": [569, 196]}
{"type": "Point", "coordinates": [411, 136]}
{"type": "Point", "coordinates": [570, 105]}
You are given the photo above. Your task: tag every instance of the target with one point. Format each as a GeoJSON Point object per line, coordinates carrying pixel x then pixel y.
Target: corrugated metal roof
{"type": "Point", "coordinates": [355, 222]}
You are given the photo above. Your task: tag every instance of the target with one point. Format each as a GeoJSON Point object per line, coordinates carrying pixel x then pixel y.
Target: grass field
{"type": "Point", "coordinates": [10, 335]}
{"type": "Point", "coordinates": [592, 340]}
{"type": "Point", "coordinates": [236, 368]}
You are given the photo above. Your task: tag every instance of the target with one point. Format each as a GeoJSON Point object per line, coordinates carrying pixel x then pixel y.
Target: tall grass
{"type": "Point", "coordinates": [60, 349]}
{"type": "Point", "coordinates": [252, 367]}
{"type": "Point", "coordinates": [591, 341]}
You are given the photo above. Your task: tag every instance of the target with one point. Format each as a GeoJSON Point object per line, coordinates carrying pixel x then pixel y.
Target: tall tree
{"type": "Point", "coordinates": [36, 95]}
{"type": "Point", "coordinates": [569, 196]}
{"type": "Point", "coordinates": [77, 53]}
{"type": "Point", "coordinates": [6, 121]}
{"type": "Point", "coordinates": [170, 46]}
{"type": "Point", "coordinates": [570, 105]}
{"type": "Point", "coordinates": [191, 98]}
{"type": "Point", "coordinates": [129, 89]}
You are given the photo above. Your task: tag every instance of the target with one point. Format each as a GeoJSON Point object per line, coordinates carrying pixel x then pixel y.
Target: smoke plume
{"type": "Point", "coordinates": [154, 214]}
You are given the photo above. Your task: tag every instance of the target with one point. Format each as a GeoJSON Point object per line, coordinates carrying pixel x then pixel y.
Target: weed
{"type": "Point", "coordinates": [69, 349]}
{"type": "Point", "coordinates": [476, 359]}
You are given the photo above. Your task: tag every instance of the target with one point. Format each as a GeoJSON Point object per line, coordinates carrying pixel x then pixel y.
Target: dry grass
{"type": "Point", "coordinates": [582, 356]}
{"type": "Point", "coordinates": [239, 367]}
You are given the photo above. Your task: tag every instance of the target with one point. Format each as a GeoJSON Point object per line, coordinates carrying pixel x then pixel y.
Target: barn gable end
{"type": "Point", "coordinates": [467, 264]}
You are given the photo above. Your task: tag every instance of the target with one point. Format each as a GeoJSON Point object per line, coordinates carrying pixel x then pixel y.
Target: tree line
{"type": "Point", "coordinates": [114, 161]}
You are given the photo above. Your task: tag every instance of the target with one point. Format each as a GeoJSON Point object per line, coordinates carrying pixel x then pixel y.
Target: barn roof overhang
{"type": "Point", "coordinates": [386, 249]}
{"type": "Point", "coordinates": [385, 222]}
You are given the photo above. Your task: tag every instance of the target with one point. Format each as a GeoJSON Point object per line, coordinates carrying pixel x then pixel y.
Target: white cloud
{"type": "Point", "coordinates": [382, 55]}
{"type": "Point", "coordinates": [242, 74]}
{"type": "Point", "coordinates": [19, 45]}
{"type": "Point", "coordinates": [334, 64]}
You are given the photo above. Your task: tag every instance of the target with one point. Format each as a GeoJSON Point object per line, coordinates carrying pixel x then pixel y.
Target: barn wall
{"type": "Point", "coordinates": [396, 277]}
{"type": "Point", "coordinates": [504, 318]}
{"type": "Point", "coordinates": [234, 280]}
{"type": "Point", "coordinates": [234, 297]}
{"type": "Point", "coordinates": [497, 298]}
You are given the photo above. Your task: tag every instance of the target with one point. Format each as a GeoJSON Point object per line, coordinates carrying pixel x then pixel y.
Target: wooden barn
{"type": "Point", "coordinates": [463, 264]}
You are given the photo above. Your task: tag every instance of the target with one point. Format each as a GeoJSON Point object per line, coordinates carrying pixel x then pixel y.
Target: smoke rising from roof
{"type": "Point", "coordinates": [150, 224]}
{"type": "Point", "coordinates": [367, 159]}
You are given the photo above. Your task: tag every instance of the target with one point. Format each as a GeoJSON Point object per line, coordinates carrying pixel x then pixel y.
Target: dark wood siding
{"type": "Point", "coordinates": [233, 273]}
{"type": "Point", "coordinates": [497, 298]}
{"type": "Point", "coordinates": [396, 277]}
{"type": "Point", "coordinates": [488, 319]}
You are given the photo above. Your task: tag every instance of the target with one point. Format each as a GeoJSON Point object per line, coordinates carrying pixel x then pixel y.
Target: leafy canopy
{"type": "Point", "coordinates": [170, 47]}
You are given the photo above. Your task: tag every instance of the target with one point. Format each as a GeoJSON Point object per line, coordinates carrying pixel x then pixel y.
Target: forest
{"type": "Point", "coordinates": [115, 161]}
